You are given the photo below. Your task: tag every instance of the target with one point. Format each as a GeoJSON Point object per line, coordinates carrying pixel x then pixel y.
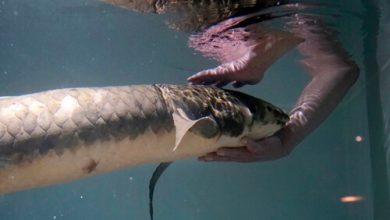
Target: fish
{"type": "Point", "coordinates": [62, 135]}
{"type": "Point", "coordinates": [195, 15]}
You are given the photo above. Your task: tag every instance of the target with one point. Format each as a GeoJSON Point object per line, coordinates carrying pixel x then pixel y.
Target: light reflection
{"type": "Point", "coordinates": [351, 198]}
{"type": "Point", "coordinates": [358, 138]}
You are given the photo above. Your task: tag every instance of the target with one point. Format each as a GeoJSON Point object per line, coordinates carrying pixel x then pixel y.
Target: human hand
{"type": "Point", "coordinates": [269, 148]}
{"type": "Point", "coordinates": [252, 61]}
{"type": "Point", "coordinates": [239, 72]}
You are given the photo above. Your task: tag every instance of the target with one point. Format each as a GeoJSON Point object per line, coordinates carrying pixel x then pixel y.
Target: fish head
{"type": "Point", "coordinates": [223, 115]}
{"type": "Point", "coordinates": [263, 119]}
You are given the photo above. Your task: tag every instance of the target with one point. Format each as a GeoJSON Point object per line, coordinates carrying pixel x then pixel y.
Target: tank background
{"type": "Point", "coordinates": [56, 44]}
{"type": "Point", "coordinates": [384, 67]}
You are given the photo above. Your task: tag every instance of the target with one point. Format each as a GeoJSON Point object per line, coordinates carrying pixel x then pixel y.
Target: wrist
{"type": "Point", "coordinates": [289, 135]}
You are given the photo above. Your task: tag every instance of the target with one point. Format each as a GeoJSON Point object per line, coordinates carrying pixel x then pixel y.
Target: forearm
{"type": "Point", "coordinates": [316, 102]}
{"type": "Point", "coordinates": [332, 72]}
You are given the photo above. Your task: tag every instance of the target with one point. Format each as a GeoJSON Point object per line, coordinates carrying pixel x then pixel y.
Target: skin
{"type": "Point", "coordinates": [332, 74]}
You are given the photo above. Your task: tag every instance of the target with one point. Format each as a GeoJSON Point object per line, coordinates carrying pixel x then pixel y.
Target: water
{"type": "Point", "coordinates": [58, 44]}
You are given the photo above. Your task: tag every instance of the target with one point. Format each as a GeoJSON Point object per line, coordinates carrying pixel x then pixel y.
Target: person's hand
{"type": "Point", "coordinates": [270, 148]}
{"type": "Point", "coordinates": [239, 73]}
{"type": "Point", "coordinates": [246, 64]}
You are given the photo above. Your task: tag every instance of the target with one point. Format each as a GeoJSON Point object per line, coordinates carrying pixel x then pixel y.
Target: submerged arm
{"type": "Point", "coordinates": [332, 74]}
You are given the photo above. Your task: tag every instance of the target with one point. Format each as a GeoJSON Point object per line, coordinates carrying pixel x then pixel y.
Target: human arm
{"type": "Point", "coordinates": [332, 75]}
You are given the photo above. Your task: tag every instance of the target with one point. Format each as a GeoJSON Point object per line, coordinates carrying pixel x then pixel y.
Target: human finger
{"type": "Point", "coordinates": [213, 157]}
{"type": "Point", "coordinates": [206, 76]}
{"type": "Point", "coordinates": [236, 154]}
{"type": "Point", "coordinates": [251, 145]}
{"type": "Point", "coordinates": [268, 144]}
{"type": "Point", "coordinates": [229, 154]}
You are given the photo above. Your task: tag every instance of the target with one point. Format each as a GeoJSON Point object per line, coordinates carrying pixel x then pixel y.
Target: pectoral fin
{"type": "Point", "coordinates": [206, 126]}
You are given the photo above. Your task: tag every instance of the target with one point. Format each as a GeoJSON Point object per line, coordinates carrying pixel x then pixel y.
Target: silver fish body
{"type": "Point", "coordinates": [61, 135]}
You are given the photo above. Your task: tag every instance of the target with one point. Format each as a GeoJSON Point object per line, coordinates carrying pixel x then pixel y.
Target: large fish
{"type": "Point", "coordinates": [61, 135]}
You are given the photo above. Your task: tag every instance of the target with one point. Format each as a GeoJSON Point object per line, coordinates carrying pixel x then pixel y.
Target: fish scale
{"type": "Point", "coordinates": [62, 135]}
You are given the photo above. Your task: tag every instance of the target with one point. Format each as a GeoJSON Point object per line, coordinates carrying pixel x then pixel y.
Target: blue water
{"type": "Point", "coordinates": [47, 44]}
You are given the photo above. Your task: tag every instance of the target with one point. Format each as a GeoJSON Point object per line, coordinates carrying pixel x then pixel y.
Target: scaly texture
{"type": "Point", "coordinates": [34, 124]}
{"type": "Point", "coordinates": [62, 135]}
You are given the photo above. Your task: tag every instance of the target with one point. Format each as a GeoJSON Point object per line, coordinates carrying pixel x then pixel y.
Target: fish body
{"type": "Point", "coordinates": [195, 15]}
{"type": "Point", "coordinates": [62, 135]}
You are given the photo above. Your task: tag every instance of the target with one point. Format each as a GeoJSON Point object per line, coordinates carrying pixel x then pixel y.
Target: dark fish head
{"type": "Point", "coordinates": [263, 118]}
{"type": "Point", "coordinates": [236, 114]}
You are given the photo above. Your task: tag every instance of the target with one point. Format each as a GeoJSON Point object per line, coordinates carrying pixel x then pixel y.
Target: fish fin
{"type": "Point", "coordinates": [183, 124]}
{"type": "Point", "coordinates": [152, 184]}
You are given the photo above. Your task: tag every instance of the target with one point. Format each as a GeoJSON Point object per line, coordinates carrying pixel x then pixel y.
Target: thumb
{"type": "Point", "coordinates": [251, 145]}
